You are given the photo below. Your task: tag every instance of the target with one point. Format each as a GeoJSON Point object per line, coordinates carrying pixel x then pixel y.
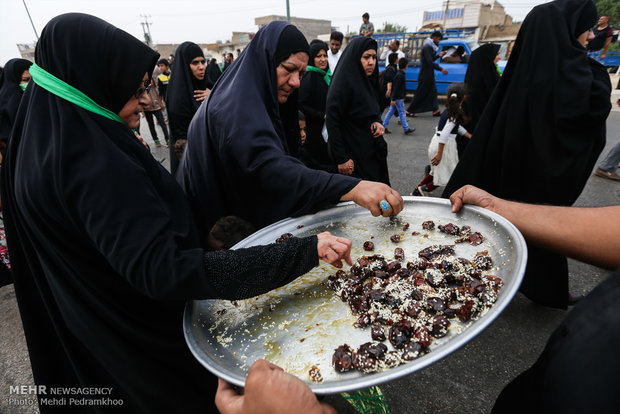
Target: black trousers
{"type": "Point", "coordinates": [160, 118]}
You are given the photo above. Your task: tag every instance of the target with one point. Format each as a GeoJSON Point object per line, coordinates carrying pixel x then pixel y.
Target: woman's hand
{"type": "Point", "coordinates": [370, 194]}
{"type": "Point", "coordinates": [200, 95]}
{"type": "Point", "coordinates": [346, 168]}
{"type": "Point", "coordinates": [436, 159]}
{"type": "Point", "coordinates": [376, 129]}
{"type": "Point", "coordinates": [334, 249]}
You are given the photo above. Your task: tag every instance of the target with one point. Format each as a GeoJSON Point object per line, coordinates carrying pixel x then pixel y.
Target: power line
{"type": "Point", "coordinates": [28, 12]}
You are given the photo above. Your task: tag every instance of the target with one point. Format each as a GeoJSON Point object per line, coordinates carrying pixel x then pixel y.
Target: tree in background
{"type": "Point", "coordinates": [393, 27]}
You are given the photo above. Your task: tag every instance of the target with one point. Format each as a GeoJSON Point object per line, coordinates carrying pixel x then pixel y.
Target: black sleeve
{"type": "Point", "coordinates": [245, 273]}
{"type": "Point", "coordinates": [336, 118]}
{"type": "Point", "coordinates": [305, 101]}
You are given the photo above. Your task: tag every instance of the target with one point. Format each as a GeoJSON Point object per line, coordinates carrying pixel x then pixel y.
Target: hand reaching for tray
{"type": "Point", "coordinates": [268, 389]}
{"type": "Point", "coordinates": [334, 250]}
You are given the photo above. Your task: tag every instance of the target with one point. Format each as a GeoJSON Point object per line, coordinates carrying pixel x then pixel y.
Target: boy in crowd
{"type": "Point", "coordinates": [334, 52]}
{"type": "Point", "coordinates": [163, 79]}
{"type": "Point", "coordinates": [397, 103]}
{"type": "Point", "coordinates": [367, 28]}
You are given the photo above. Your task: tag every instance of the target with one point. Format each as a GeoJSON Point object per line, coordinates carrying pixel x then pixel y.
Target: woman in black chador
{"type": "Point", "coordinates": [213, 73]}
{"type": "Point", "coordinates": [238, 162]}
{"type": "Point", "coordinates": [481, 78]}
{"type": "Point", "coordinates": [425, 98]}
{"type": "Point", "coordinates": [186, 91]}
{"type": "Point", "coordinates": [11, 90]}
{"type": "Point", "coordinates": [103, 247]}
{"type": "Point", "coordinates": [354, 115]}
{"type": "Point", "coordinates": [312, 100]}
{"type": "Point", "coordinates": [543, 128]}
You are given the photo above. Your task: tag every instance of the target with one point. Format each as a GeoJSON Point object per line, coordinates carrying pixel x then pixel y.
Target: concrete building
{"type": "Point", "coordinates": [480, 14]}
{"type": "Point", "coordinates": [487, 17]}
{"type": "Point", "coordinates": [311, 28]}
{"type": "Point", "coordinates": [26, 50]}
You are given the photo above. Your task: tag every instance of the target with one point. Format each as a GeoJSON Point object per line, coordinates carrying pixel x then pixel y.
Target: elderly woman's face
{"type": "Point", "coordinates": [130, 113]}
{"type": "Point", "coordinates": [369, 61]}
{"type": "Point", "coordinates": [289, 72]}
{"type": "Point", "coordinates": [320, 60]}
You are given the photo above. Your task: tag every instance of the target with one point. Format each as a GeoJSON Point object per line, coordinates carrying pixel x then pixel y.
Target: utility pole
{"type": "Point", "coordinates": [146, 28]}
{"type": "Point", "coordinates": [445, 14]}
{"type": "Point", "coordinates": [35, 30]}
{"type": "Point", "coordinates": [288, 12]}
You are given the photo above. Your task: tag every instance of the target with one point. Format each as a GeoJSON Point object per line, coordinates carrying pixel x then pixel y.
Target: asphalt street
{"type": "Point", "coordinates": [467, 381]}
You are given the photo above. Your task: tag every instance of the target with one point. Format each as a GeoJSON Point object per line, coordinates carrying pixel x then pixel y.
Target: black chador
{"type": "Point", "coordinates": [543, 129]}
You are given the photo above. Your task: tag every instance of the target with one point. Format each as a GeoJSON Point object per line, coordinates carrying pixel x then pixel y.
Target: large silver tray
{"type": "Point", "coordinates": [300, 324]}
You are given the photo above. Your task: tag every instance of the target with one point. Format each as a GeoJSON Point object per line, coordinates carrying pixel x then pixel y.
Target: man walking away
{"type": "Point", "coordinates": [425, 98]}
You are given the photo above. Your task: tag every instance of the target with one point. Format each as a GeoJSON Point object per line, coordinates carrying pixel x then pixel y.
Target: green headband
{"type": "Point", "coordinates": [67, 92]}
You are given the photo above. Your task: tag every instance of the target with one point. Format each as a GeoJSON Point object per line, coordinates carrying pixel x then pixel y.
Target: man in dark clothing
{"type": "Point", "coordinates": [397, 103]}
{"type": "Point", "coordinates": [425, 98]}
{"type": "Point", "coordinates": [602, 38]}
{"type": "Point", "coordinates": [387, 77]}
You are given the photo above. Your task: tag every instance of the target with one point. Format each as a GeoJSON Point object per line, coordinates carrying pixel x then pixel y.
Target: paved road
{"type": "Point", "coordinates": [469, 380]}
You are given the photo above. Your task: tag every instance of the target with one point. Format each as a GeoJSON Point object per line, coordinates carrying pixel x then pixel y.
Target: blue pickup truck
{"type": "Point", "coordinates": [612, 61]}
{"type": "Point", "coordinates": [411, 44]}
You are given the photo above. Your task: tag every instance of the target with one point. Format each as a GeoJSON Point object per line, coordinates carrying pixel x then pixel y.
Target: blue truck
{"type": "Point", "coordinates": [612, 61]}
{"type": "Point", "coordinates": [411, 44]}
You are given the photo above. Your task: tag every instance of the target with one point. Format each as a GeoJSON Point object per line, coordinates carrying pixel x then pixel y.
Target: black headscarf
{"type": "Point", "coordinates": [480, 79]}
{"type": "Point", "coordinates": [181, 102]}
{"type": "Point", "coordinates": [352, 107]}
{"type": "Point", "coordinates": [79, 263]}
{"type": "Point", "coordinates": [10, 94]}
{"type": "Point", "coordinates": [315, 48]}
{"type": "Point", "coordinates": [235, 162]}
{"type": "Point", "coordinates": [351, 84]}
{"type": "Point", "coordinates": [213, 73]}
{"type": "Point", "coordinates": [544, 126]}
{"type": "Point", "coordinates": [291, 41]}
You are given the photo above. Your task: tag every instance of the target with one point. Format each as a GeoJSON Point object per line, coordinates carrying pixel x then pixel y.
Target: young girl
{"type": "Point", "coordinates": [442, 151]}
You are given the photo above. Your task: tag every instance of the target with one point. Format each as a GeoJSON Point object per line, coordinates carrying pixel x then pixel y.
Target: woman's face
{"type": "Point", "coordinates": [497, 58]}
{"type": "Point", "coordinates": [25, 77]}
{"type": "Point", "coordinates": [198, 67]}
{"type": "Point", "coordinates": [289, 73]}
{"type": "Point", "coordinates": [320, 60]}
{"type": "Point", "coordinates": [369, 61]}
{"type": "Point", "coordinates": [585, 38]}
{"type": "Point", "coordinates": [130, 113]}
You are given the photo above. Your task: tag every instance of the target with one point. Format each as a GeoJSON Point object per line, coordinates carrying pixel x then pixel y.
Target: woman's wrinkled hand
{"type": "Point", "coordinates": [334, 250]}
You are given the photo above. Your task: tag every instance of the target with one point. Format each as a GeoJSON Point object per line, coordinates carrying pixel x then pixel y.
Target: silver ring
{"type": "Point", "coordinates": [385, 205]}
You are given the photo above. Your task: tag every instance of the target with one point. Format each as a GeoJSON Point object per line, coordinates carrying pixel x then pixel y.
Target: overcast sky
{"type": "Point", "coordinates": [205, 21]}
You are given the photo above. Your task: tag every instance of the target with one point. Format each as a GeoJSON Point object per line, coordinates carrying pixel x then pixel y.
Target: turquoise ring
{"type": "Point", "coordinates": [385, 205]}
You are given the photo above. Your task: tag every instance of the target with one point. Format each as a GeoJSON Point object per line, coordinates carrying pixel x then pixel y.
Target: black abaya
{"type": "Point", "coordinates": [181, 102]}
{"type": "Point", "coordinates": [542, 130]}
{"type": "Point", "coordinates": [352, 107]}
{"type": "Point", "coordinates": [103, 247]}
{"type": "Point", "coordinates": [480, 79]}
{"type": "Point", "coordinates": [236, 161]}
{"type": "Point", "coordinates": [425, 98]}
{"type": "Point", "coordinates": [578, 369]}
{"type": "Point", "coordinates": [10, 94]}
{"type": "Point", "coordinates": [312, 101]}
{"type": "Point", "coordinates": [213, 73]}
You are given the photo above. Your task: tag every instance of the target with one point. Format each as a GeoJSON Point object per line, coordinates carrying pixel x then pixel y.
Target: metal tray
{"type": "Point", "coordinates": [299, 325]}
